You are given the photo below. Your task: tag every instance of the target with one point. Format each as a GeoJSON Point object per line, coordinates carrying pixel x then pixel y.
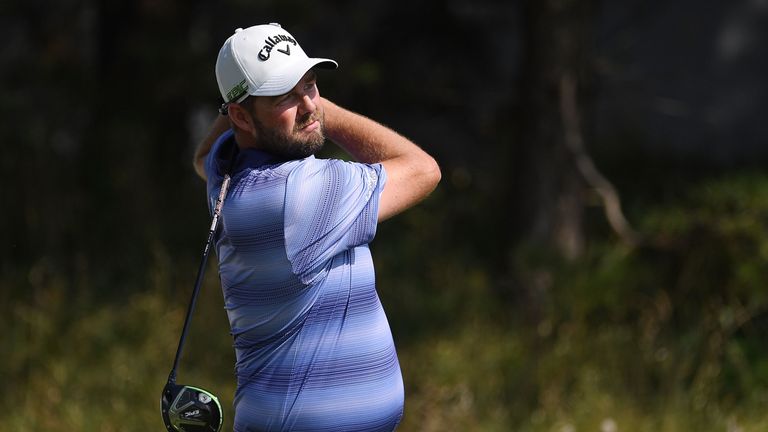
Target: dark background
{"type": "Point", "coordinates": [593, 259]}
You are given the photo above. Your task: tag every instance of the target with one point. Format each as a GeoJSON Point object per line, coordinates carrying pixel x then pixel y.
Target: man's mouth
{"type": "Point", "coordinates": [309, 126]}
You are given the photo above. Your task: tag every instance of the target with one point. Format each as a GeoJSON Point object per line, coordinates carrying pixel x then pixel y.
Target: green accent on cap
{"type": "Point", "coordinates": [237, 91]}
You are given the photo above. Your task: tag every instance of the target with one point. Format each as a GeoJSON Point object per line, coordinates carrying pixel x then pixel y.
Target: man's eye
{"type": "Point", "coordinates": [284, 100]}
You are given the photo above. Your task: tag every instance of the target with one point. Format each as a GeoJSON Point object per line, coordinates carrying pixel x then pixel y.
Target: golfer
{"type": "Point", "coordinates": [313, 346]}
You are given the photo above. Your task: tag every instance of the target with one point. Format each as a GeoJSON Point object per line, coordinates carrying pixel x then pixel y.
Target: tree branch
{"type": "Point", "coordinates": [575, 144]}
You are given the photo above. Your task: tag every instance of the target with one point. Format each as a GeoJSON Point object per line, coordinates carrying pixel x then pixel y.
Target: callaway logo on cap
{"type": "Point", "coordinates": [263, 60]}
{"type": "Point", "coordinates": [272, 42]}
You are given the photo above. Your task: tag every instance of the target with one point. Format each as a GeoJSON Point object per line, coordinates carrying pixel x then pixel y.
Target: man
{"type": "Point", "coordinates": [313, 346]}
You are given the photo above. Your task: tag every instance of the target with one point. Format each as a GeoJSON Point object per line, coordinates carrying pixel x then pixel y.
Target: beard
{"type": "Point", "coordinates": [292, 145]}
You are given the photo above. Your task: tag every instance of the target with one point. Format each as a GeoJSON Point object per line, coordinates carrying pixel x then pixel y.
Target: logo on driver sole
{"type": "Point", "coordinates": [191, 414]}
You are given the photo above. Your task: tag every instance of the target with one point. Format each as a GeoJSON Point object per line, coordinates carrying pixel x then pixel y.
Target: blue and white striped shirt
{"type": "Point", "coordinates": [313, 346]}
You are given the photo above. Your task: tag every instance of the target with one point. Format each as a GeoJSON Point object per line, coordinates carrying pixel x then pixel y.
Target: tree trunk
{"type": "Point", "coordinates": [547, 188]}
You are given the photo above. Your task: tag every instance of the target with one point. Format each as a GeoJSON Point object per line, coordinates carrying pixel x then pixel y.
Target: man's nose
{"type": "Point", "coordinates": [307, 105]}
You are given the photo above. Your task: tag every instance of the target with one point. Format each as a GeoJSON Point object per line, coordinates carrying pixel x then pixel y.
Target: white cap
{"type": "Point", "coordinates": [263, 60]}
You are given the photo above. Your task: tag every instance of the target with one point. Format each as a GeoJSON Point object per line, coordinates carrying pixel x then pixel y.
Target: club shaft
{"type": "Point", "coordinates": [200, 275]}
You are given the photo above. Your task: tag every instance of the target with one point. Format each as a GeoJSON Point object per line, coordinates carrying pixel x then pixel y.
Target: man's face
{"type": "Point", "coordinates": [290, 125]}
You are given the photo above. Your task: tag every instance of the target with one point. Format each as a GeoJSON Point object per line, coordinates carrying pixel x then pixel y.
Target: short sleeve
{"type": "Point", "coordinates": [330, 206]}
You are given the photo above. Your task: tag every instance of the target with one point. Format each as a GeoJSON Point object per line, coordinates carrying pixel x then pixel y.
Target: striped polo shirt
{"type": "Point", "coordinates": [313, 346]}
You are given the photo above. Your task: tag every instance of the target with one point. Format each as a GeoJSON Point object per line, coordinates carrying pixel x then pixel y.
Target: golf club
{"type": "Point", "coordinates": [187, 408]}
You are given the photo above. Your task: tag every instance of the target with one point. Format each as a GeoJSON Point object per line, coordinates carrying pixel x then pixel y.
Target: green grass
{"type": "Point", "coordinates": [104, 371]}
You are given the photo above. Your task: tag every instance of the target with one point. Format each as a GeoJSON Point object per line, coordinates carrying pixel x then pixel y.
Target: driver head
{"type": "Point", "coordinates": [190, 409]}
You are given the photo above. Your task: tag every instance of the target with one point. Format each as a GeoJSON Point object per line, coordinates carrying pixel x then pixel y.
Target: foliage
{"type": "Point", "coordinates": [75, 364]}
{"type": "Point", "coordinates": [666, 337]}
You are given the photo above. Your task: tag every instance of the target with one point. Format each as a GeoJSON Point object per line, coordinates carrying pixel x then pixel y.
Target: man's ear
{"type": "Point", "coordinates": [241, 119]}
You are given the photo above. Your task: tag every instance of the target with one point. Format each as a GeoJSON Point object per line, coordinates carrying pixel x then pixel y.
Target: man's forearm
{"type": "Point", "coordinates": [364, 139]}
{"type": "Point", "coordinates": [219, 126]}
{"type": "Point", "coordinates": [412, 174]}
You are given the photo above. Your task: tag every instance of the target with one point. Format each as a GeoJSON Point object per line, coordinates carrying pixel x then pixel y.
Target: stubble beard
{"type": "Point", "coordinates": [292, 145]}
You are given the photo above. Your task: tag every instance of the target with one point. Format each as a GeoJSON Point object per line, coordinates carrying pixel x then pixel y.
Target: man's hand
{"type": "Point", "coordinates": [412, 174]}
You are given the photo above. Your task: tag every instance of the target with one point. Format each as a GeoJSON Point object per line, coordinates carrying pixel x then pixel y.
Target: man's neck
{"type": "Point", "coordinates": [245, 140]}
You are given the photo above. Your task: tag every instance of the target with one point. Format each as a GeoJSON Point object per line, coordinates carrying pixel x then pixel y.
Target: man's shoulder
{"type": "Point", "coordinates": [313, 162]}
{"type": "Point", "coordinates": [318, 169]}
{"type": "Point", "coordinates": [310, 165]}
{"type": "Point", "coordinates": [218, 158]}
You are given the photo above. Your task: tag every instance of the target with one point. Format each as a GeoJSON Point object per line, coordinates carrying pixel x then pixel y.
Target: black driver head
{"type": "Point", "coordinates": [190, 409]}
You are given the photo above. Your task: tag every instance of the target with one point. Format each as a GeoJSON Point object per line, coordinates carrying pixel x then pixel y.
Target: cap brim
{"type": "Point", "coordinates": [282, 82]}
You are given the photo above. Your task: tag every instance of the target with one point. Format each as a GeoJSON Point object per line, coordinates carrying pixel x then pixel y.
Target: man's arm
{"type": "Point", "coordinates": [220, 125]}
{"type": "Point", "coordinates": [412, 174]}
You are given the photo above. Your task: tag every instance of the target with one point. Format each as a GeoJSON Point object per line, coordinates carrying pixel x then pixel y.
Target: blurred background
{"type": "Point", "coordinates": [594, 258]}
